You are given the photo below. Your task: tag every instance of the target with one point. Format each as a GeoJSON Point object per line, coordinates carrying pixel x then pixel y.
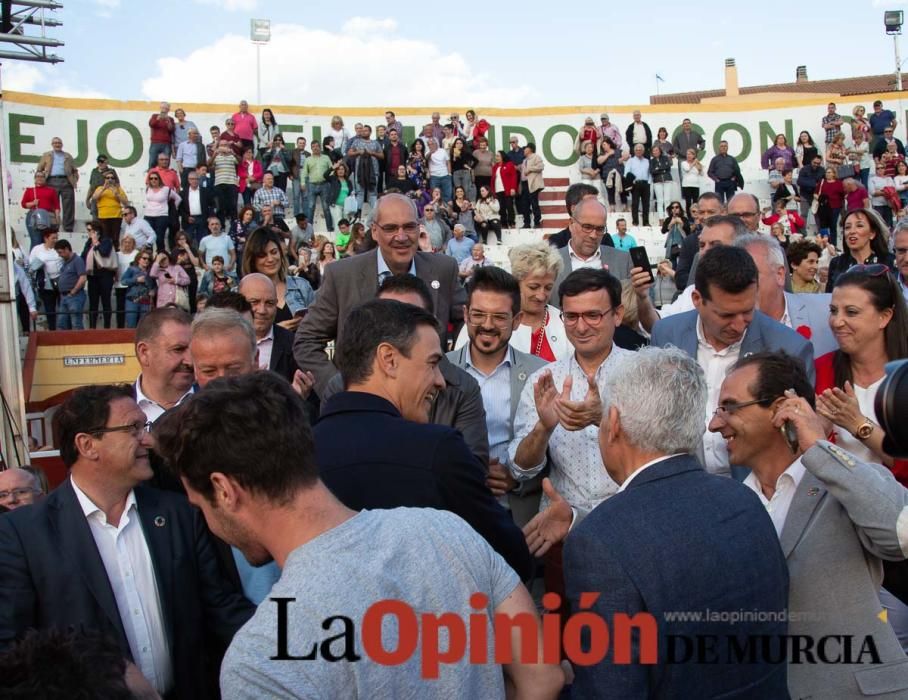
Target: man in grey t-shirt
{"type": "Point", "coordinates": [262, 494]}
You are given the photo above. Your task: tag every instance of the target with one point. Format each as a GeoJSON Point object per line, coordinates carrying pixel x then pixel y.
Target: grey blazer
{"type": "Point", "coordinates": [458, 405]}
{"type": "Point", "coordinates": [617, 261]}
{"type": "Point", "coordinates": [812, 310]}
{"type": "Point", "coordinates": [354, 280]}
{"type": "Point", "coordinates": [844, 519]}
{"type": "Point", "coordinates": [524, 500]}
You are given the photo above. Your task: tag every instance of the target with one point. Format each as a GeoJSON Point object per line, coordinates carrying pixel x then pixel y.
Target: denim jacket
{"type": "Point", "coordinates": [299, 294]}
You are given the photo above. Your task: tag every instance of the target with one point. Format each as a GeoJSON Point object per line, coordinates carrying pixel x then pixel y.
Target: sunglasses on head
{"type": "Point", "coordinates": [874, 269]}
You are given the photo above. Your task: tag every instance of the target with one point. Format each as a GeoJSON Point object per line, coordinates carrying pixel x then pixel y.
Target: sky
{"type": "Point", "coordinates": [493, 54]}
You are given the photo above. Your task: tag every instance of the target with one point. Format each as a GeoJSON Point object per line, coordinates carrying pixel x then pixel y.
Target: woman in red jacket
{"type": "Point", "coordinates": [868, 317]}
{"type": "Point", "coordinates": [830, 196]}
{"type": "Point", "coordinates": [504, 183]}
{"type": "Point", "coordinates": [249, 172]}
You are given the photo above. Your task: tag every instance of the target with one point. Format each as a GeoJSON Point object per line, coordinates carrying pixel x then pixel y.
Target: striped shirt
{"type": "Point", "coordinates": [225, 169]}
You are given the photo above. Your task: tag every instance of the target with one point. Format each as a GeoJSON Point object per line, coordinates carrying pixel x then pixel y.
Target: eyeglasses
{"type": "Point", "coordinates": [901, 251]}
{"type": "Point", "coordinates": [592, 318]}
{"type": "Point", "coordinates": [409, 228]}
{"type": "Point", "coordinates": [589, 228]}
{"type": "Point", "coordinates": [729, 409]}
{"type": "Point", "coordinates": [136, 429]}
{"type": "Point", "coordinates": [17, 494]}
{"type": "Point", "coordinates": [477, 318]}
{"type": "Point", "coordinates": [874, 270]}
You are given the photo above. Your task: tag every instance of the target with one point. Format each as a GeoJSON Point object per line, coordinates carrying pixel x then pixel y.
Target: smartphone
{"type": "Point", "coordinates": [301, 313]}
{"type": "Point", "coordinates": [790, 435]}
{"type": "Point", "coordinates": [639, 258]}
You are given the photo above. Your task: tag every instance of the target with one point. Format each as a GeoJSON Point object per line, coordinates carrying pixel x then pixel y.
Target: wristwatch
{"type": "Point", "coordinates": [864, 430]}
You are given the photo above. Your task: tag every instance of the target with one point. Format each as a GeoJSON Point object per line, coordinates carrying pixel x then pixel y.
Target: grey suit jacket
{"type": "Point", "coordinates": [617, 261]}
{"type": "Point", "coordinates": [843, 520]}
{"type": "Point", "coordinates": [352, 281]}
{"type": "Point", "coordinates": [812, 310]}
{"type": "Point", "coordinates": [458, 405]}
{"type": "Point", "coordinates": [524, 500]}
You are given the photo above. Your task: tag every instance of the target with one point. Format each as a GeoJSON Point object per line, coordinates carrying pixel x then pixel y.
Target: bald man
{"type": "Point", "coordinates": [18, 488]}
{"type": "Point", "coordinates": [275, 343]}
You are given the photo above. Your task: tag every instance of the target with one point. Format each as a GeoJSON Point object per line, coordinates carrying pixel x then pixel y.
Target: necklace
{"type": "Point", "coordinates": [545, 321]}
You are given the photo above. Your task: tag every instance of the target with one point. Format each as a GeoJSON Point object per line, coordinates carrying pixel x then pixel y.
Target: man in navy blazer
{"type": "Point", "coordinates": [674, 539]}
{"type": "Point", "coordinates": [103, 553]}
{"type": "Point", "coordinates": [724, 326]}
{"type": "Point", "coordinates": [373, 444]}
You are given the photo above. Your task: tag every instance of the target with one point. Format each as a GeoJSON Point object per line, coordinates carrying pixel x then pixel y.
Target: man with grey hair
{"type": "Point", "coordinates": [808, 314]}
{"type": "Point", "coordinates": [642, 549]}
{"type": "Point", "coordinates": [162, 127]}
{"type": "Point", "coordinates": [222, 345]}
{"type": "Point", "coordinates": [18, 488]}
{"type": "Point", "coordinates": [459, 246]}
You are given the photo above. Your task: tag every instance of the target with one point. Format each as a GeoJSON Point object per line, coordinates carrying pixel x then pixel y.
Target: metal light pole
{"type": "Point", "coordinates": [259, 33]}
{"type": "Point", "coordinates": [893, 21]}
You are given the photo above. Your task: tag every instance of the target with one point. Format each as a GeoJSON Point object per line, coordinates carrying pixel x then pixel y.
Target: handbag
{"type": "Point", "coordinates": [181, 298]}
{"type": "Point", "coordinates": [815, 204]}
{"type": "Point", "coordinates": [350, 206]}
{"type": "Point", "coordinates": [845, 170]}
{"type": "Point", "coordinates": [108, 263]}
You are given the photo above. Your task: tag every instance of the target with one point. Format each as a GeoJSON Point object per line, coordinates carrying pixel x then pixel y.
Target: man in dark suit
{"type": "Point", "coordinates": [102, 552]}
{"type": "Point", "coordinates": [196, 206]}
{"type": "Point", "coordinates": [576, 192]}
{"type": "Point", "coordinates": [374, 446]}
{"type": "Point", "coordinates": [586, 247]}
{"type": "Point", "coordinates": [351, 281]}
{"type": "Point", "coordinates": [275, 343]}
{"type": "Point", "coordinates": [724, 326]}
{"type": "Point", "coordinates": [642, 549]}
{"type": "Point", "coordinates": [459, 404]}
{"type": "Point", "coordinates": [493, 312]}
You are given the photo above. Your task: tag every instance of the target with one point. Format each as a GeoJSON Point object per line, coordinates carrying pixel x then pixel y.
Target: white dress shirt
{"type": "Point", "coordinates": [786, 485]}
{"type": "Point", "coordinates": [151, 408]}
{"type": "Point", "coordinates": [577, 471]}
{"type": "Point", "coordinates": [639, 469]}
{"type": "Point", "coordinates": [265, 346]}
{"type": "Point", "coordinates": [195, 202]}
{"type": "Point", "coordinates": [127, 561]}
{"type": "Point", "coordinates": [715, 364]}
{"type": "Point", "coordinates": [578, 263]}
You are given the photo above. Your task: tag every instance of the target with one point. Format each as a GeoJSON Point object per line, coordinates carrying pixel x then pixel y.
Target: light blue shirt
{"type": "Point", "coordinates": [625, 242]}
{"type": "Point", "coordinates": [903, 287]}
{"type": "Point", "coordinates": [496, 398]}
{"type": "Point", "coordinates": [384, 271]}
{"type": "Point", "coordinates": [639, 168]}
{"type": "Point", "coordinates": [56, 168]}
{"type": "Point", "coordinates": [256, 581]}
{"type": "Point", "coordinates": [460, 250]}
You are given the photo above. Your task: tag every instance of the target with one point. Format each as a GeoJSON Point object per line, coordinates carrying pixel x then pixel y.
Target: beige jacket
{"type": "Point", "coordinates": [69, 166]}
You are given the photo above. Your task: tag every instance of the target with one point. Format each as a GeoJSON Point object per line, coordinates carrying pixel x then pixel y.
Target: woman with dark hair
{"type": "Point", "coordinates": [488, 215]}
{"type": "Point", "coordinates": [294, 294]}
{"type": "Point", "coordinates": [665, 146]}
{"type": "Point", "coordinates": [306, 266]}
{"type": "Point", "coordinates": [462, 162]}
{"type": "Point", "coordinates": [868, 317]}
{"type": "Point", "coordinates": [462, 208]}
{"type": "Point", "coordinates": [140, 288]}
{"type": "Point", "coordinates": [691, 172]}
{"type": "Point", "coordinates": [676, 228]}
{"type": "Point", "coordinates": [830, 195]}
{"type": "Point", "coordinates": [172, 281]}
{"type": "Point", "coordinates": [157, 198]}
{"type": "Point", "coordinates": [101, 268]}
{"type": "Point", "coordinates": [805, 149]}
{"type": "Point", "coordinates": [504, 184]}
{"type": "Point", "coordinates": [188, 259]}
{"type": "Point", "coordinates": [249, 176]}
{"type": "Point", "coordinates": [779, 149]}
{"type": "Point", "coordinates": [866, 240]}
{"type": "Point", "coordinates": [110, 199]}
{"type": "Point", "coordinates": [278, 161]}
{"type": "Point", "coordinates": [240, 229]}
{"type": "Point", "coordinates": [267, 130]}
{"type": "Point", "coordinates": [327, 254]}
{"type": "Point", "coordinates": [417, 167]}
{"type": "Point", "coordinates": [482, 169]}
{"type": "Point", "coordinates": [611, 171]}
{"type": "Point", "coordinates": [660, 168]}
{"type": "Point", "coordinates": [340, 186]}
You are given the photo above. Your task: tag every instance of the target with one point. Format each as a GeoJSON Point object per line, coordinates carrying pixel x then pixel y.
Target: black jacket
{"type": "Point", "coordinates": [282, 360]}
{"type": "Point", "coordinates": [394, 463]}
{"type": "Point", "coordinates": [206, 200]}
{"type": "Point", "coordinates": [809, 179]}
{"type": "Point", "coordinates": [51, 575]}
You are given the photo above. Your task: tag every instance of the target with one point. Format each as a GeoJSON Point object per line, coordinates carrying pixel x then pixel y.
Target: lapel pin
{"type": "Point", "coordinates": [436, 284]}
{"type": "Point", "coordinates": [813, 491]}
{"type": "Point", "coordinates": [554, 338]}
{"type": "Point", "coordinates": [159, 521]}
{"type": "Point", "coordinates": [522, 376]}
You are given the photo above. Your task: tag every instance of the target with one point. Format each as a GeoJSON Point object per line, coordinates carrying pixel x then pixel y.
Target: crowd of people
{"type": "Point", "coordinates": [380, 413]}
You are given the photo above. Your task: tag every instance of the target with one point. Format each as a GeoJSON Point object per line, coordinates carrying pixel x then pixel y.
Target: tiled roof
{"type": "Point", "coordinates": [840, 86]}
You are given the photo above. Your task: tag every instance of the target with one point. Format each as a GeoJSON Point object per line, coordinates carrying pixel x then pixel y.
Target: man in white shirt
{"type": "Point", "coordinates": [560, 406]}
{"type": "Point", "coordinates": [135, 226]}
{"type": "Point", "coordinates": [162, 349]}
{"type": "Point", "coordinates": [836, 520]}
{"type": "Point", "coordinates": [104, 553]}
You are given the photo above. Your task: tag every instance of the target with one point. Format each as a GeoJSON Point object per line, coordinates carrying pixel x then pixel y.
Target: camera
{"type": "Point", "coordinates": [891, 402]}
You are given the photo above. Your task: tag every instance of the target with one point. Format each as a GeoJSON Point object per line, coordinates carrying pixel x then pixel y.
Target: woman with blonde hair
{"type": "Point", "coordinates": [340, 134]}
{"type": "Point", "coordinates": [541, 332]}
